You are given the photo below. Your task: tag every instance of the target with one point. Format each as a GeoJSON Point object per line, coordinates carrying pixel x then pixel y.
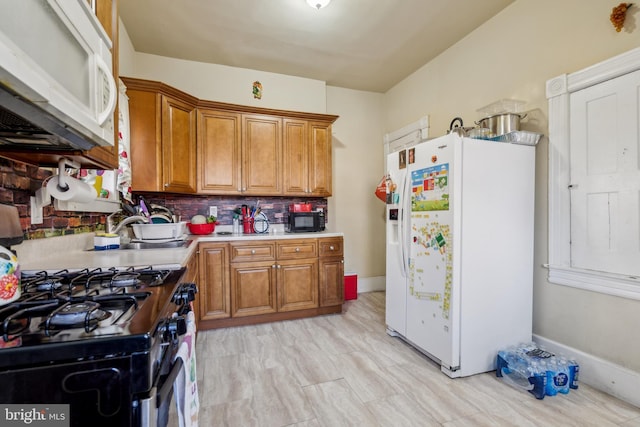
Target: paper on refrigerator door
{"type": "Point", "coordinates": [431, 266]}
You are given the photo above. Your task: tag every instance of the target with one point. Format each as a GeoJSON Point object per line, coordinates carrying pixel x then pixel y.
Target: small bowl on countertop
{"type": "Point", "coordinates": [201, 229]}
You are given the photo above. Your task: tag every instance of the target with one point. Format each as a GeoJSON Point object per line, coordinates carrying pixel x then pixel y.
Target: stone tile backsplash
{"type": "Point", "coordinates": [18, 182]}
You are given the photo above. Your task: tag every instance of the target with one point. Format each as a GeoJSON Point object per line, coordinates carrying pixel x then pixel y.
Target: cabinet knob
{"type": "Point", "coordinates": [331, 248]}
{"type": "Point", "coordinates": [297, 249]}
{"type": "Point", "coordinates": [341, 261]}
{"type": "Point", "coordinates": [253, 251]}
{"type": "Point", "coordinates": [278, 266]}
{"type": "Point", "coordinates": [273, 266]}
{"type": "Point", "coordinates": [166, 184]}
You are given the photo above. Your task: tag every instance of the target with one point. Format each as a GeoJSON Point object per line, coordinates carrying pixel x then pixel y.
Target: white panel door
{"type": "Point", "coordinates": [605, 176]}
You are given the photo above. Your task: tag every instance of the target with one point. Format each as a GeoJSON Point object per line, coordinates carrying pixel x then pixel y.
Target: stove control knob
{"type": "Point", "coordinates": [173, 328]}
{"type": "Point", "coordinates": [185, 294]}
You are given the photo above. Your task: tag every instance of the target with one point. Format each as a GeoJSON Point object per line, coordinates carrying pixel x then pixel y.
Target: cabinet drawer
{"type": "Point", "coordinates": [253, 251]}
{"type": "Point", "coordinates": [331, 247]}
{"type": "Point", "coordinates": [298, 249]}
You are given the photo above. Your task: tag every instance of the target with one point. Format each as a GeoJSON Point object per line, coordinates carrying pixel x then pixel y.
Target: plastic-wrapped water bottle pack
{"type": "Point", "coordinates": [527, 367]}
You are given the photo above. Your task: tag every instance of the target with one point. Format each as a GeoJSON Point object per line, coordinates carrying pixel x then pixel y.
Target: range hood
{"type": "Point", "coordinates": [24, 125]}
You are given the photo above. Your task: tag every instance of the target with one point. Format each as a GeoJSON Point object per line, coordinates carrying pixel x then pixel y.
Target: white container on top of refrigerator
{"type": "Point", "coordinates": [459, 277]}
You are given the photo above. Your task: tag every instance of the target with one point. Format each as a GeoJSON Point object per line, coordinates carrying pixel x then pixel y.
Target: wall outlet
{"type": "Point", "coordinates": [42, 196]}
{"type": "Point", "coordinates": [36, 211]}
{"type": "Point", "coordinates": [213, 211]}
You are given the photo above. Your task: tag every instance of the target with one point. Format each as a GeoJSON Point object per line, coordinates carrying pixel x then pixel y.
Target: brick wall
{"type": "Point", "coordinates": [18, 182]}
{"type": "Point", "coordinates": [187, 206]}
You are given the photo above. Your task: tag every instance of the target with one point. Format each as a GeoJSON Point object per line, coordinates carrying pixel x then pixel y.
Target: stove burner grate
{"type": "Point", "coordinates": [128, 278]}
{"type": "Point", "coordinates": [71, 315]}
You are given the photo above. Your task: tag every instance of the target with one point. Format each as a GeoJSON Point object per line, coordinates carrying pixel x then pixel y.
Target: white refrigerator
{"type": "Point", "coordinates": [459, 260]}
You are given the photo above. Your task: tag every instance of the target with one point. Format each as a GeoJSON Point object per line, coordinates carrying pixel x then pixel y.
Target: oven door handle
{"type": "Point", "coordinates": [167, 386]}
{"type": "Point", "coordinates": [155, 408]}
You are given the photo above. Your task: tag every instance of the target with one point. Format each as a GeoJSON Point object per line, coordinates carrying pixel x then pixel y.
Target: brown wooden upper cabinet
{"type": "Point", "coordinates": [230, 149]}
{"type": "Point", "coordinates": [307, 158]}
{"type": "Point", "coordinates": [163, 137]}
{"type": "Point", "coordinates": [239, 153]}
{"type": "Point", "coordinates": [219, 152]}
{"type": "Point", "coordinates": [262, 154]}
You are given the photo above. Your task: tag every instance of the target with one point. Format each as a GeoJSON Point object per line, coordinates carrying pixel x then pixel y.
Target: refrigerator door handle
{"type": "Point", "coordinates": [405, 209]}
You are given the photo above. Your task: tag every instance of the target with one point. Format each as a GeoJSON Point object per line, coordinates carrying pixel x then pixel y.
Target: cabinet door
{"type": "Point", "coordinates": [296, 157]}
{"type": "Point", "coordinates": [331, 281]}
{"type": "Point", "coordinates": [253, 288]}
{"type": "Point", "coordinates": [178, 146]}
{"type": "Point", "coordinates": [219, 163]}
{"type": "Point", "coordinates": [320, 159]}
{"type": "Point", "coordinates": [297, 284]}
{"type": "Point", "coordinates": [214, 290]}
{"type": "Point", "coordinates": [146, 144]}
{"type": "Point", "coordinates": [261, 155]}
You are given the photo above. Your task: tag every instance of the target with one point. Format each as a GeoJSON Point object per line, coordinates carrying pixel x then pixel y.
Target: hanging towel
{"type": "Point", "coordinates": [185, 387]}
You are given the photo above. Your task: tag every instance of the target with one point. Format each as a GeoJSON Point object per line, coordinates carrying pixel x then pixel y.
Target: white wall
{"type": "Point", "coordinates": [225, 84]}
{"type": "Point", "coordinates": [512, 56]}
{"type": "Point", "coordinates": [357, 164]}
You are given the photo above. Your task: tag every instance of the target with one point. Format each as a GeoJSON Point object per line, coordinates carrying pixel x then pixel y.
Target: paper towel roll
{"type": "Point", "coordinates": [77, 191]}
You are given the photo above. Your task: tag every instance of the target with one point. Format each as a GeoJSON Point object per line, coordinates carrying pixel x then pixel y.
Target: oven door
{"type": "Point", "coordinates": [98, 392]}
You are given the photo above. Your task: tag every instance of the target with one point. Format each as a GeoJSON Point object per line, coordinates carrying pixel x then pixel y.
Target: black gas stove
{"type": "Point", "coordinates": [99, 340]}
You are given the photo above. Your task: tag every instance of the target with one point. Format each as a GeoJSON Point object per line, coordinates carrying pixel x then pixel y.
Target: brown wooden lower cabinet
{"type": "Point", "coordinates": [253, 288]}
{"type": "Point", "coordinates": [213, 295]}
{"type": "Point", "coordinates": [331, 281]}
{"type": "Point", "coordinates": [297, 284]}
{"type": "Point", "coordinates": [247, 282]}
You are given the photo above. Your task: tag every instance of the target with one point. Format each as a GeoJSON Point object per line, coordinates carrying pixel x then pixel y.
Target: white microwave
{"type": "Point", "coordinates": [56, 85]}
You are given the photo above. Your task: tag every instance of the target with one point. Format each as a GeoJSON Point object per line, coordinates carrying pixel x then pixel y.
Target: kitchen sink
{"type": "Point", "coordinates": [152, 245]}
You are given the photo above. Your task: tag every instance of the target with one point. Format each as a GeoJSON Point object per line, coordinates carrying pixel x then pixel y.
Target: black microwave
{"type": "Point", "coordinates": [303, 222]}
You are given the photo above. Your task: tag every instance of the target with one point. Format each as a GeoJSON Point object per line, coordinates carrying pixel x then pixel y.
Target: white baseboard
{"type": "Point", "coordinates": [371, 284]}
{"type": "Point", "coordinates": [598, 373]}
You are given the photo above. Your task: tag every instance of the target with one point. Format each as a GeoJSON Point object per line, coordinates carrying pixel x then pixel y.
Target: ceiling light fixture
{"type": "Point", "coordinates": [318, 4]}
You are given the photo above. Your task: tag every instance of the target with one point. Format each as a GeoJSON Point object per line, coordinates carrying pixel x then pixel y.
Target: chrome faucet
{"type": "Point", "coordinates": [115, 229]}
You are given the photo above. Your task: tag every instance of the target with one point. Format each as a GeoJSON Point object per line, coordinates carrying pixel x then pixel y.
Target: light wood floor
{"type": "Point", "coordinates": [344, 370]}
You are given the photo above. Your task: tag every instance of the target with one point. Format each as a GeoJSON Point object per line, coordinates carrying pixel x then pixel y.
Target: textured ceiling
{"type": "Point", "coordinates": [358, 44]}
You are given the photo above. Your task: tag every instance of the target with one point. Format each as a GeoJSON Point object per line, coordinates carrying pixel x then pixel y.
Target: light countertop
{"type": "Point", "coordinates": [76, 251]}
